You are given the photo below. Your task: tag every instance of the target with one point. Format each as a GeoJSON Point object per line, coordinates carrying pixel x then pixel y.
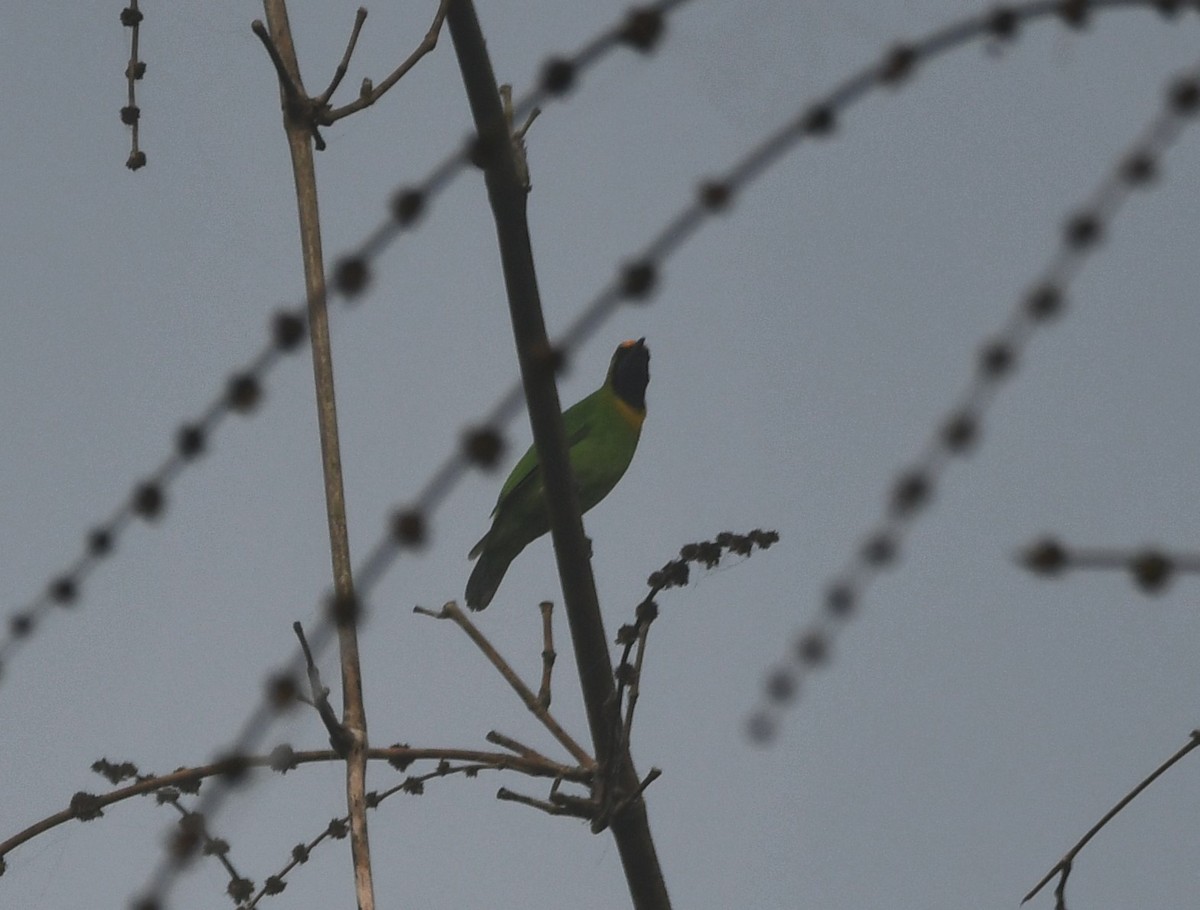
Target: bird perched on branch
{"type": "Point", "coordinates": [602, 433]}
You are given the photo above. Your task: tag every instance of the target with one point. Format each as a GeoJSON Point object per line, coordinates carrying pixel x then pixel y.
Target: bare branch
{"type": "Point", "coordinates": [88, 806]}
{"type": "Point", "coordinates": [548, 653]}
{"type": "Point", "coordinates": [370, 93]}
{"type": "Point", "coordinates": [579, 809]}
{"type": "Point", "coordinates": [339, 737]}
{"type": "Point", "coordinates": [352, 731]}
{"type": "Point", "coordinates": [1064, 865]}
{"type": "Point", "coordinates": [452, 612]}
{"type": "Point", "coordinates": [508, 195]}
{"type": "Point", "coordinates": [507, 742]}
{"type": "Point", "coordinates": [339, 73]}
{"type": "Point", "coordinates": [675, 573]}
{"type": "Point", "coordinates": [135, 69]}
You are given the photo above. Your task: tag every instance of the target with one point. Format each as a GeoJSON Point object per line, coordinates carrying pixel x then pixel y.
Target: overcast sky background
{"type": "Point", "coordinates": [973, 721]}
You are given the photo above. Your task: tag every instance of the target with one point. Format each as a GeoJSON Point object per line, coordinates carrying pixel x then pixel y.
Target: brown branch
{"type": "Point", "coordinates": [635, 682]}
{"type": "Point", "coordinates": [508, 195]}
{"type": "Point", "coordinates": [369, 93]}
{"type": "Point", "coordinates": [135, 69]}
{"type": "Point", "coordinates": [297, 106]}
{"type": "Point", "coordinates": [576, 808]}
{"type": "Point", "coordinates": [452, 612]}
{"type": "Point", "coordinates": [653, 775]}
{"type": "Point", "coordinates": [315, 112]}
{"type": "Point", "coordinates": [86, 806]}
{"type": "Point", "coordinates": [300, 135]}
{"type": "Point", "coordinates": [674, 574]}
{"type": "Point", "coordinates": [1064, 865]}
{"type": "Point", "coordinates": [192, 826]}
{"type": "Point", "coordinates": [548, 654]}
{"type": "Point", "coordinates": [339, 72]}
{"type": "Point", "coordinates": [507, 742]}
{"type": "Point", "coordinates": [414, 785]}
{"type": "Point", "coordinates": [338, 737]}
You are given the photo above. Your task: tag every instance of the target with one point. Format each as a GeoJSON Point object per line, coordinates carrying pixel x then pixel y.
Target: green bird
{"type": "Point", "coordinates": [602, 433]}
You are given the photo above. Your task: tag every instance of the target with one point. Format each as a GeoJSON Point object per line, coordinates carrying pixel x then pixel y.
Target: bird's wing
{"type": "Point", "coordinates": [525, 474]}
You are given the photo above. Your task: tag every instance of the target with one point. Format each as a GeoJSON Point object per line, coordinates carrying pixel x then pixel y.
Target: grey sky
{"type": "Point", "coordinates": [973, 721]}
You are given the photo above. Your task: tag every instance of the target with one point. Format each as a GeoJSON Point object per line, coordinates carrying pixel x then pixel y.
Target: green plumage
{"type": "Point", "coordinates": [602, 431]}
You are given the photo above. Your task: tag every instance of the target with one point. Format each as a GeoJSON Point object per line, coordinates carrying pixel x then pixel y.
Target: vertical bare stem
{"type": "Point", "coordinates": [354, 720]}
{"type": "Point", "coordinates": [507, 192]}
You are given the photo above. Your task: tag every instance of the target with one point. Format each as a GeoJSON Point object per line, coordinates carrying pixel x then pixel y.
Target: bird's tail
{"type": "Point", "coordinates": [487, 575]}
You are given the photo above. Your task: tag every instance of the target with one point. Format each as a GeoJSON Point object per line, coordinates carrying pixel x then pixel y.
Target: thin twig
{"type": "Point", "coordinates": [415, 785]}
{"type": "Point", "coordinates": [653, 775]}
{"type": "Point", "coordinates": [370, 93]}
{"type": "Point", "coordinates": [292, 93]}
{"type": "Point", "coordinates": [86, 805]}
{"type": "Point", "coordinates": [297, 106]}
{"type": "Point", "coordinates": [520, 154]}
{"type": "Point", "coordinates": [507, 742]}
{"type": "Point", "coordinates": [339, 73]}
{"type": "Point", "coordinates": [192, 825]}
{"type": "Point", "coordinates": [1064, 864]}
{"type": "Point", "coordinates": [635, 683]}
{"type": "Point", "coordinates": [452, 612]}
{"type": "Point", "coordinates": [131, 114]}
{"type": "Point", "coordinates": [548, 654]}
{"type": "Point", "coordinates": [339, 738]}
{"type": "Point", "coordinates": [550, 808]}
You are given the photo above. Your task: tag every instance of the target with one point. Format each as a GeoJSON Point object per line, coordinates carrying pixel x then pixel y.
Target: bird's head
{"type": "Point", "coordinates": [629, 373]}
